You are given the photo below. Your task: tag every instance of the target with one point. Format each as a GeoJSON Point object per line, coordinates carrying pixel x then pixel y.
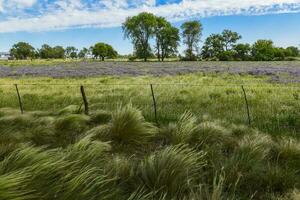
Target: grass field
{"type": "Point", "coordinates": [201, 148]}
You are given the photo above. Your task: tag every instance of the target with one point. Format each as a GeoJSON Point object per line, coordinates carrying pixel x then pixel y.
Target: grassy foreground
{"type": "Point", "coordinates": [201, 148]}
{"type": "Point", "coordinates": [119, 155]}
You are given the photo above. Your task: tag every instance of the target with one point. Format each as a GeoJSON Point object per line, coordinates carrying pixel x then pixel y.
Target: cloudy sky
{"type": "Point", "coordinates": [84, 22]}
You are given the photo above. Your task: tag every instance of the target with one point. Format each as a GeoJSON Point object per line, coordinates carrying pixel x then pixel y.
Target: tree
{"type": "Point", "coordinates": [167, 38]}
{"type": "Point", "coordinates": [230, 38]}
{"type": "Point", "coordinates": [292, 51]}
{"type": "Point", "coordinates": [140, 29]}
{"type": "Point", "coordinates": [71, 52]}
{"type": "Point", "coordinates": [46, 51]}
{"type": "Point", "coordinates": [263, 50]}
{"type": "Point", "coordinates": [83, 52]}
{"type": "Point", "coordinates": [191, 32]}
{"type": "Point", "coordinates": [279, 53]}
{"type": "Point", "coordinates": [243, 51]}
{"type": "Point", "coordinates": [22, 50]}
{"type": "Point", "coordinates": [58, 52]}
{"type": "Point", "coordinates": [102, 50]}
{"type": "Point", "coordinates": [213, 46]}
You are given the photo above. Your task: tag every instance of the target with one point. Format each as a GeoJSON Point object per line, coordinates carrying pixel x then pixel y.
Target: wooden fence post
{"type": "Point", "coordinates": [247, 106]}
{"type": "Point", "coordinates": [85, 102]}
{"type": "Point", "coordinates": [19, 99]}
{"type": "Point", "coordinates": [154, 104]}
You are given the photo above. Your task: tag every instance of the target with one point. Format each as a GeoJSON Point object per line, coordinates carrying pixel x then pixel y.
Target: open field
{"type": "Point", "coordinates": [201, 148]}
{"type": "Point", "coordinates": [279, 71]}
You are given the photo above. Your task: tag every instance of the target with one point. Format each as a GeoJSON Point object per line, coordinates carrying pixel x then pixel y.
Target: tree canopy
{"type": "Point", "coordinates": [47, 52]}
{"type": "Point", "coordinates": [22, 50]}
{"type": "Point", "coordinates": [191, 33]}
{"type": "Point", "coordinates": [139, 29]}
{"type": "Point", "coordinates": [102, 50]}
{"type": "Point", "coordinates": [167, 38]}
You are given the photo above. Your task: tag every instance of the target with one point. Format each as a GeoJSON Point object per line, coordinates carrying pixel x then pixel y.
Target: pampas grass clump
{"type": "Point", "coordinates": [100, 117]}
{"type": "Point", "coordinates": [287, 152]}
{"type": "Point", "coordinates": [69, 128]}
{"type": "Point", "coordinates": [180, 132]}
{"type": "Point", "coordinates": [127, 127]}
{"type": "Point", "coordinates": [171, 171]}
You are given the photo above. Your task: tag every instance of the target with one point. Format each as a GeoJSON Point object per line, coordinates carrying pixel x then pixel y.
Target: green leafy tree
{"type": "Point", "coordinates": [22, 50]}
{"type": "Point", "coordinates": [213, 46]}
{"type": "Point", "coordinates": [167, 38]}
{"type": "Point", "coordinates": [243, 51]}
{"type": "Point", "coordinates": [58, 52]}
{"type": "Point", "coordinates": [292, 51]}
{"type": "Point", "coordinates": [279, 53]}
{"type": "Point", "coordinates": [191, 32]}
{"type": "Point", "coordinates": [102, 50]}
{"type": "Point", "coordinates": [263, 50]}
{"type": "Point", "coordinates": [83, 52]}
{"type": "Point", "coordinates": [140, 29]}
{"type": "Point", "coordinates": [71, 52]}
{"type": "Point", "coordinates": [46, 51]}
{"type": "Point", "coordinates": [228, 55]}
{"type": "Point", "coordinates": [230, 38]}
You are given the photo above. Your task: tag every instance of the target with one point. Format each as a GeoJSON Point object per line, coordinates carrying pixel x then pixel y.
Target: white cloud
{"type": "Point", "coordinates": [22, 3]}
{"type": "Point", "coordinates": [109, 13]}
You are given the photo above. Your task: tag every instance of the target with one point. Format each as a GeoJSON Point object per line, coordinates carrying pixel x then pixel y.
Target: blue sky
{"type": "Point", "coordinates": [82, 23]}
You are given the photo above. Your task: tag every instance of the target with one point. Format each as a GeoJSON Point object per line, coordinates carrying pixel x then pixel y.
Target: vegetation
{"type": "Point", "coordinates": [191, 33]}
{"type": "Point", "coordinates": [102, 50]}
{"type": "Point", "coordinates": [67, 155]}
{"type": "Point", "coordinates": [22, 50]}
{"type": "Point", "coordinates": [48, 52]}
{"type": "Point", "coordinates": [167, 38]}
{"type": "Point", "coordinates": [201, 147]}
{"type": "Point", "coordinates": [145, 27]}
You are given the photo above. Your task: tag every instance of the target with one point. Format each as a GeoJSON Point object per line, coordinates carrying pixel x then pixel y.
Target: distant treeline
{"type": "Point", "coordinates": [23, 50]}
{"type": "Point", "coordinates": [146, 29]}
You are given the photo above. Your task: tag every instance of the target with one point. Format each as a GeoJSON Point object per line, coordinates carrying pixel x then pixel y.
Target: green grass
{"type": "Point", "coordinates": [201, 148]}
{"type": "Point", "coordinates": [70, 156]}
{"type": "Point", "coordinates": [274, 108]}
{"type": "Point", "coordinates": [36, 62]}
{"type": "Point", "coordinates": [52, 62]}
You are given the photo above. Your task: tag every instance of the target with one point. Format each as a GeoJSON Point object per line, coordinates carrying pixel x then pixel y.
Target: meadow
{"type": "Point", "coordinates": [200, 147]}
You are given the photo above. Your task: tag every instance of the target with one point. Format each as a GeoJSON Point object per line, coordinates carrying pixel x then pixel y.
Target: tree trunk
{"type": "Point", "coordinates": [103, 58]}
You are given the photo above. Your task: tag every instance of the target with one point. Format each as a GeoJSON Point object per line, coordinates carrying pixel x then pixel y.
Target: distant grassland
{"type": "Point", "coordinates": [274, 108]}
{"type": "Point", "coordinates": [51, 62]}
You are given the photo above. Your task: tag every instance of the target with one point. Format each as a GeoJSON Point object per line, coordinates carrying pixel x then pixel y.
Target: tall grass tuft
{"type": "Point", "coordinates": [287, 152]}
{"type": "Point", "coordinates": [171, 171]}
{"type": "Point", "coordinates": [69, 128]}
{"type": "Point", "coordinates": [127, 127]}
{"type": "Point", "coordinates": [180, 132]}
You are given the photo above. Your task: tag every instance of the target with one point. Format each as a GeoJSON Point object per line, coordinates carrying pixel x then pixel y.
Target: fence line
{"type": "Point", "coordinates": [154, 101]}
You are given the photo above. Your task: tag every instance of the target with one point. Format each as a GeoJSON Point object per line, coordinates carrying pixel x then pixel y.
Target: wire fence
{"type": "Point", "coordinates": [252, 104]}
